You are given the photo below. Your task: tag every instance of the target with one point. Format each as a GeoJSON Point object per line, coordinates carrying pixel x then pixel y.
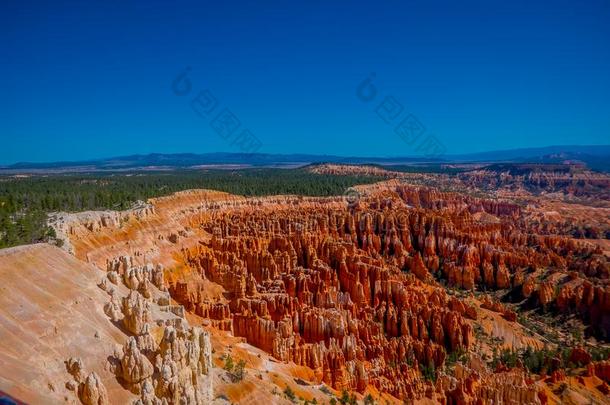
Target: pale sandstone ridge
{"type": "Point", "coordinates": [63, 322]}
{"type": "Point", "coordinates": [50, 311]}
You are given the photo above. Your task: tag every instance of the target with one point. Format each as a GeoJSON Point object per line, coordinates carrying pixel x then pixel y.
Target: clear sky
{"type": "Point", "coordinates": [88, 79]}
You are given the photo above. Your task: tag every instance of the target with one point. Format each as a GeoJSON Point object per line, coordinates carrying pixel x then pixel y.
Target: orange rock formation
{"type": "Point", "coordinates": [347, 288]}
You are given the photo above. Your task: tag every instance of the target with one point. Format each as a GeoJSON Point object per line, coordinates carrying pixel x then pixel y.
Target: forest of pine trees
{"type": "Point", "coordinates": [26, 201]}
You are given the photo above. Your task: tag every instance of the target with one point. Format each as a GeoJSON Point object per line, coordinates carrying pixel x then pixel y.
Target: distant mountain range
{"type": "Point", "coordinates": [597, 157]}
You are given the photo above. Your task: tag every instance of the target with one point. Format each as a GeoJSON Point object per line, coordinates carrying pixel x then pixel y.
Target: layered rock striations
{"type": "Point", "coordinates": [350, 287]}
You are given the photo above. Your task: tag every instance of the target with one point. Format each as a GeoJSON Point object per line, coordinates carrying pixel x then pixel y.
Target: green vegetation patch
{"type": "Point", "coordinates": [26, 201]}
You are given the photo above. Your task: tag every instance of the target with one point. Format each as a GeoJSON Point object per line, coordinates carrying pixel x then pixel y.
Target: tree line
{"type": "Point", "coordinates": [25, 201]}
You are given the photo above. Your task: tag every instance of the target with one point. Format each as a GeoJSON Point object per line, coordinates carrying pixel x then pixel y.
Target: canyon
{"type": "Point", "coordinates": [395, 289]}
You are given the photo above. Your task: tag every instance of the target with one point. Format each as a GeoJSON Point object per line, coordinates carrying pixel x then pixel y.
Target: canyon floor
{"type": "Point", "coordinates": [489, 286]}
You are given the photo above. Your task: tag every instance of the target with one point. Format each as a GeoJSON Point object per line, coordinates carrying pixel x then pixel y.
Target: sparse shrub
{"type": "Point", "coordinates": [239, 371]}
{"type": "Point", "coordinates": [600, 353]}
{"type": "Point", "coordinates": [536, 361]}
{"type": "Point", "coordinates": [289, 393]}
{"type": "Point", "coordinates": [429, 372]}
{"type": "Point", "coordinates": [229, 363]}
{"type": "Point", "coordinates": [344, 397]}
{"type": "Point", "coordinates": [454, 357]}
{"type": "Point", "coordinates": [507, 357]}
{"type": "Point", "coordinates": [577, 335]}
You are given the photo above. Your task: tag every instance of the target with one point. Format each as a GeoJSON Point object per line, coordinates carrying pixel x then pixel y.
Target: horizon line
{"type": "Point", "coordinates": [440, 157]}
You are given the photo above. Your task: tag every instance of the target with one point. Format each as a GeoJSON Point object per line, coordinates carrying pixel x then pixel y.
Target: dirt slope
{"type": "Point", "coordinates": [50, 310]}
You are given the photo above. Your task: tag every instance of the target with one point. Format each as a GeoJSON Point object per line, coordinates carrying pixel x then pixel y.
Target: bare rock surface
{"type": "Point", "coordinates": [50, 311]}
{"type": "Point", "coordinates": [60, 327]}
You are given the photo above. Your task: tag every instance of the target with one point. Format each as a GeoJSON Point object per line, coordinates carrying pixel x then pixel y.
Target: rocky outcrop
{"type": "Point", "coordinates": [580, 356]}
{"type": "Point", "coordinates": [181, 370]}
{"type": "Point", "coordinates": [89, 388]}
{"type": "Point", "coordinates": [508, 314]}
{"type": "Point", "coordinates": [75, 368]}
{"type": "Point", "coordinates": [183, 358]}
{"type": "Point", "coordinates": [164, 360]}
{"type": "Point", "coordinates": [136, 312]}
{"type": "Point", "coordinates": [353, 170]}
{"type": "Point", "coordinates": [471, 387]}
{"type": "Point", "coordinates": [92, 391]}
{"type": "Point", "coordinates": [135, 367]}
{"type": "Point", "coordinates": [600, 369]}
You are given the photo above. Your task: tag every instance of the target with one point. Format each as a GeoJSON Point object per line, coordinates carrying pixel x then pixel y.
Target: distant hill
{"type": "Point", "coordinates": [596, 157]}
{"type": "Point", "coordinates": [192, 160]}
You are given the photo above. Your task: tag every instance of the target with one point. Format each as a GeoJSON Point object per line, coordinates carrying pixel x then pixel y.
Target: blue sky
{"type": "Point", "coordinates": [81, 80]}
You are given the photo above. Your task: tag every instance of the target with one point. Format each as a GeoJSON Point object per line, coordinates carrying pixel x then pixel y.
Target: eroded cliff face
{"type": "Point", "coordinates": [571, 179]}
{"type": "Point", "coordinates": [164, 360]}
{"type": "Point", "coordinates": [350, 287]}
